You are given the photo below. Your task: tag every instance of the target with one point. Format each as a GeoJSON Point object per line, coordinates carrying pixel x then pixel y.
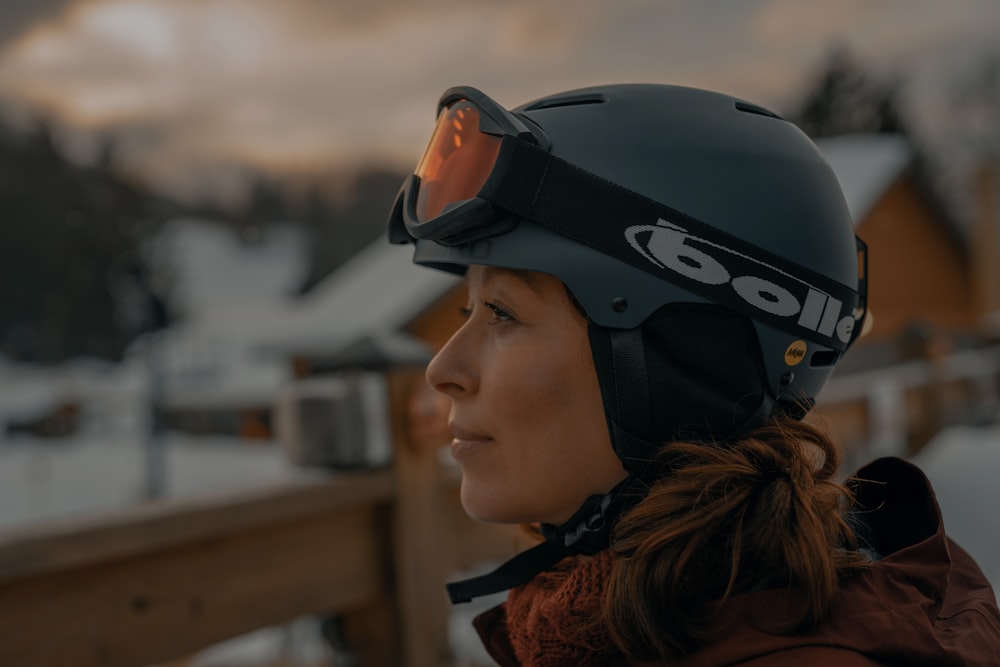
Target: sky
{"type": "Point", "coordinates": [192, 90]}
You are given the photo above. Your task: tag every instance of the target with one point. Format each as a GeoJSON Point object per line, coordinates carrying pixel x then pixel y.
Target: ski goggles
{"type": "Point", "coordinates": [486, 169]}
{"type": "Point", "coordinates": [444, 199]}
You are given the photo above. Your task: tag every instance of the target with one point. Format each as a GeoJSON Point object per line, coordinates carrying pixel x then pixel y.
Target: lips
{"type": "Point", "coordinates": [466, 440]}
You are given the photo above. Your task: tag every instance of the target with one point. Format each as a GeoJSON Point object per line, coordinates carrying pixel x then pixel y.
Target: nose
{"type": "Point", "coordinates": [452, 371]}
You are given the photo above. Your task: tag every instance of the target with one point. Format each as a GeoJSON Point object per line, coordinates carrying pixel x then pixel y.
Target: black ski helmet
{"type": "Point", "coordinates": [706, 238]}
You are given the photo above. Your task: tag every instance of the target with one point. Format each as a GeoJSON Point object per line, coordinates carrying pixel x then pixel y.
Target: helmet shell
{"type": "Point", "coordinates": [731, 164]}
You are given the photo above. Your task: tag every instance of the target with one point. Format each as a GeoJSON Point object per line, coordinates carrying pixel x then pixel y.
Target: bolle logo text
{"type": "Point", "coordinates": [670, 246]}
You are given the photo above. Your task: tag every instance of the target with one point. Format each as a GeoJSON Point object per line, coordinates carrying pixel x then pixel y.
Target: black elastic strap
{"type": "Point", "coordinates": [635, 453]}
{"type": "Point", "coordinates": [520, 569]}
{"type": "Point", "coordinates": [588, 531]}
{"type": "Point", "coordinates": [533, 184]}
{"type": "Point", "coordinates": [631, 382]}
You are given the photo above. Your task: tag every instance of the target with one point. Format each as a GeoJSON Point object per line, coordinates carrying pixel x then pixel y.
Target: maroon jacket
{"type": "Point", "coordinates": [925, 602]}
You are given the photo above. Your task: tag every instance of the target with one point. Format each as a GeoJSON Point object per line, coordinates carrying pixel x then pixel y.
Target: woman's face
{"type": "Point", "coordinates": [526, 414]}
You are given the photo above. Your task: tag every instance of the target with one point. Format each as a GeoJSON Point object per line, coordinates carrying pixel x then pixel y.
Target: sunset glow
{"type": "Point", "coordinates": [212, 82]}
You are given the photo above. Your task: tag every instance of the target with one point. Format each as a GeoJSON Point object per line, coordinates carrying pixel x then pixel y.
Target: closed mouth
{"type": "Point", "coordinates": [465, 440]}
{"type": "Point", "coordinates": [460, 433]}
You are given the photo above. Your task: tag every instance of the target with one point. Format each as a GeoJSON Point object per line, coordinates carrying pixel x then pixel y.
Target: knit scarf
{"type": "Point", "coordinates": [554, 618]}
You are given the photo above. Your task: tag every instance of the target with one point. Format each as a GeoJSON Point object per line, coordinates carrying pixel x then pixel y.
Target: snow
{"type": "Point", "coordinates": [866, 165]}
{"type": "Point", "coordinates": [45, 480]}
{"type": "Point", "coordinates": [26, 395]}
{"type": "Point", "coordinates": [240, 324]}
{"type": "Point", "coordinates": [107, 393]}
{"type": "Point", "coordinates": [208, 370]}
{"type": "Point", "coordinates": [210, 267]}
{"type": "Point", "coordinates": [377, 290]}
{"type": "Point", "coordinates": [963, 464]}
{"type": "Point", "coordinates": [229, 293]}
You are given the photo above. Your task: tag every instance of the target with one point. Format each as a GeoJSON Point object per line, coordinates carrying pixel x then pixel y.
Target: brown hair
{"type": "Point", "coordinates": [764, 510]}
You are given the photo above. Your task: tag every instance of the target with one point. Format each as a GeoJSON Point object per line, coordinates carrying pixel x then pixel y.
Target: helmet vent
{"type": "Point", "coordinates": [823, 358]}
{"type": "Point", "coordinates": [753, 108]}
{"type": "Point", "coordinates": [574, 100]}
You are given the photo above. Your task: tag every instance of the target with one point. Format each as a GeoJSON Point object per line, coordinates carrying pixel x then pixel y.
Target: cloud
{"type": "Point", "coordinates": [303, 83]}
{"type": "Point", "coordinates": [891, 31]}
{"type": "Point", "coordinates": [231, 78]}
{"type": "Point", "coordinates": [19, 16]}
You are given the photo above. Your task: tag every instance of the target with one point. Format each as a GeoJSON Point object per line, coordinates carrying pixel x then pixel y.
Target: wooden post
{"type": "Point", "coordinates": [985, 246]}
{"type": "Point", "coordinates": [420, 565]}
{"type": "Point", "coordinates": [372, 632]}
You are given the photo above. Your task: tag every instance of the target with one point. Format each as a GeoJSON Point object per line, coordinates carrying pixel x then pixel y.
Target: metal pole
{"type": "Point", "coordinates": [155, 451]}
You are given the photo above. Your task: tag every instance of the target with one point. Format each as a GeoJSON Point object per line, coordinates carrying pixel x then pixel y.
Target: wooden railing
{"type": "Point", "coordinates": [898, 409]}
{"type": "Point", "coordinates": [159, 582]}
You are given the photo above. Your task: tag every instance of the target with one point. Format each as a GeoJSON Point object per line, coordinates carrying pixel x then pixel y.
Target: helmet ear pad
{"type": "Point", "coordinates": [690, 371]}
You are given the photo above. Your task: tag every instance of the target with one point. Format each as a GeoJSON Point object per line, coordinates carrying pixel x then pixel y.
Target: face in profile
{"type": "Point", "coordinates": [529, 429]}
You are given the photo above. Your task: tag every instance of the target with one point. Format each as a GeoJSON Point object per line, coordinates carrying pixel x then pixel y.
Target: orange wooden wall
{"type": "Point", "coordinates": [917, 271]}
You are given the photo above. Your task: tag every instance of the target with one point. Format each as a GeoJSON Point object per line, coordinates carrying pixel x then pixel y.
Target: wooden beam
{"type": "Point", "coordinates": [156, 526]}
{"type": "Point", "coordinates": [172, 579]}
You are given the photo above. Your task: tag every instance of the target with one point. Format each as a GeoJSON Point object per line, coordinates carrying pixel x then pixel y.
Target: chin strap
{"type": "Point", "coordinates": [587, 532]}
{"type": "Point", "coordinates": [520, 569]}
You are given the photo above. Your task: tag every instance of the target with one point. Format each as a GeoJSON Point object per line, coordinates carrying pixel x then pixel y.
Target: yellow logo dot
{"type": "Point", "coordinates": [795, 353]}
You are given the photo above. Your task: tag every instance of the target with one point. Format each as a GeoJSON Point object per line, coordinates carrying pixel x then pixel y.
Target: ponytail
{"type": "Point", "coordinates": [725, 518]}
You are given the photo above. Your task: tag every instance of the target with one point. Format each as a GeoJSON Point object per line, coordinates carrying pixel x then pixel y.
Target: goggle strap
{"type": "Point", "coordinates": [862, 306]}
{"type": "Point", "coordinates": [533, 184]}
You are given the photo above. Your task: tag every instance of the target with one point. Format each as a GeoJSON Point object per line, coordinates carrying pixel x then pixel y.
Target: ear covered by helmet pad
{"type": "Point", "coordinates": [695, 367]}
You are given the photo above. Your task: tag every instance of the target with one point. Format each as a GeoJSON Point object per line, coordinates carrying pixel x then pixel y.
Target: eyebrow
{"type": "Point", "coordinates": [523, 276]}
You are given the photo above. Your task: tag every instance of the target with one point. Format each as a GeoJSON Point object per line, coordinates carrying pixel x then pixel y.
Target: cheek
{"type": "Point", "coordinates": [553, 448]}
{"type": "Point", "coordinates": [541, 401]}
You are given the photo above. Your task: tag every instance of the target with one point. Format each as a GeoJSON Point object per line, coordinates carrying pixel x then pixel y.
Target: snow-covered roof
{"type": "Point", "coordinates": [377, 290]}
{"type": "Point", "coordinates": [230, 293]}
{"type": "Point", "coordinates": [29, 391]}
{"type": "Point", "coordinates": [212, 269]}
{"type": "Point", "coordinates": [866, 165]}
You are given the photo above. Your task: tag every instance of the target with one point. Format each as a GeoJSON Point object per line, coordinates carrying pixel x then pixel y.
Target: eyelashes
{"type": "Point", "coordinates": [497, 313]}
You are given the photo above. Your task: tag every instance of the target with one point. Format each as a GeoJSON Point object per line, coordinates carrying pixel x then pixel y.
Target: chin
{"type": "Point", "coordinates": [490, 507]}
{"type": "Point", "coordinates": [504, 506]}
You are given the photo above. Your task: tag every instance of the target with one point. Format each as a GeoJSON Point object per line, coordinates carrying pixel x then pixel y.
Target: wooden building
{"type": "Point", "coordinates": [921, 269]}
{"type": "Point", "coordinates": [933, 298]}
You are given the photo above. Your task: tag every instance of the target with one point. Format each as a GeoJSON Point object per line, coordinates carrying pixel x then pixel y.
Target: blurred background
{"type": "Point", "coordinates": [193, 193]}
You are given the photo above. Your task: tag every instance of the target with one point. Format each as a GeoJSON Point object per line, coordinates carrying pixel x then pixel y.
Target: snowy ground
{"type": "Point", "coordinates": [963, 464]}
{"type": "Point", "coordinates": [65, 478]}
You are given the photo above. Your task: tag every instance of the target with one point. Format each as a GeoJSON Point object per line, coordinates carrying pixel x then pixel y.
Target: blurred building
{"type": "Point", "coordinates": [933, 296]}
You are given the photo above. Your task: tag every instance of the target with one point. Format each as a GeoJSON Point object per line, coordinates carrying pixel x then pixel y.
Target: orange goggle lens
{"type": "Point", "coordinates": [457, 161]}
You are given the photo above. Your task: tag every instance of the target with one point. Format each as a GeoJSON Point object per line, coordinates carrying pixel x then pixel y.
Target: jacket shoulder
{"type": "Point", "coordinates": [814, 656]}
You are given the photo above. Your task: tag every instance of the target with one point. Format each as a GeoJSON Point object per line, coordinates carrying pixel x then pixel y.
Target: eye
{"type": "Point", "coordinates": [465, 312]}
{"type": "Point", "coordinates": [498, 314]}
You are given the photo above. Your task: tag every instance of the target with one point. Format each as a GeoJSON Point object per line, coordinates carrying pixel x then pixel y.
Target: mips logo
{"type": "Point", "coordinates": [671, 247]}
{"type": "Point", "coordinates": [795, 353]}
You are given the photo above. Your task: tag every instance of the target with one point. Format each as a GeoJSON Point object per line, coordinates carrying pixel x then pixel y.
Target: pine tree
{"type": "Point", "coordinates": [845, 98]}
